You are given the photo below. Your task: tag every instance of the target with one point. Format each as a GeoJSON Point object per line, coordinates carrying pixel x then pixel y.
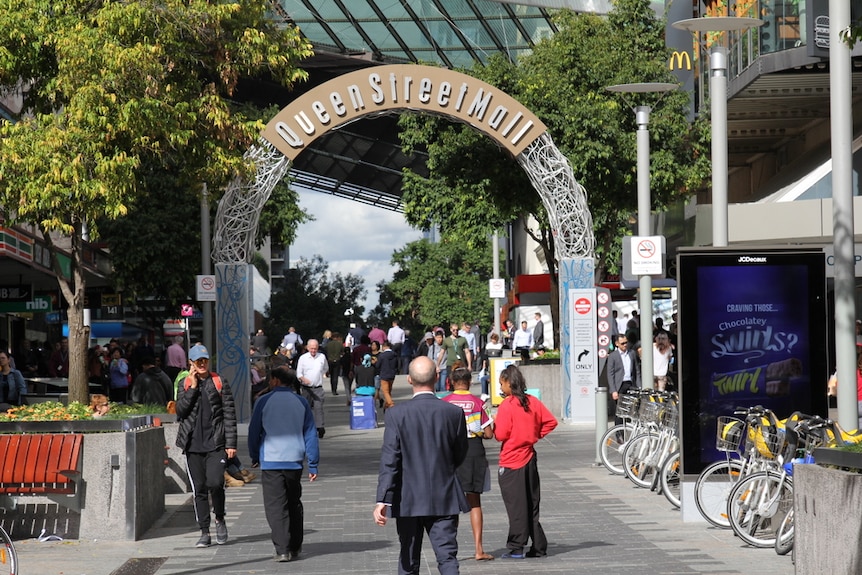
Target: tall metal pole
{"type": "Point", "coordinates": [842, 212]}
{"type": "Point", "coordinates": [644, 209]}
{"type": "Point", "coordinates": [718, 98]}
{"type": "Point", "coordinates": [495, 246]}
{"type": "Point", "coordinates": [642, 114]}
{"type": "Point", "coordinates": [206, 267]}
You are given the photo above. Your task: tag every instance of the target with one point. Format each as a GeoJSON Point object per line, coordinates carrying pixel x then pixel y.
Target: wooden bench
{"type": "Point", "coordinates": [46, 464]}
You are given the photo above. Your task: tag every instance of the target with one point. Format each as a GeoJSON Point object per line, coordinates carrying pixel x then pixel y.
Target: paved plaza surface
{"type": "Point", "coordinates": [595, 523]}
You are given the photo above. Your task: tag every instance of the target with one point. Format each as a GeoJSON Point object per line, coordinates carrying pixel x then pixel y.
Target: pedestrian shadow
{"type": "Point", "coordinates": [327, 548]}
{"type": "Point", "coordinates": [227, 567]}
{"type": "Point", "coordinates": [556, 549]}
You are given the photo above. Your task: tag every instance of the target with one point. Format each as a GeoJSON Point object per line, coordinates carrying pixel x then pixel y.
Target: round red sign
{"type": "Point", "coordinates": [582, 305]}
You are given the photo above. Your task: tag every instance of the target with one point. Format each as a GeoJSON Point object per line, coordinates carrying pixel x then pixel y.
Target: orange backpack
{"type": "Point", "coordinates": [216, 380]}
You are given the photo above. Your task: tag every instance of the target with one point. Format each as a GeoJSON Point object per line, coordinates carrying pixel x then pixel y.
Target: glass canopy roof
{"type": "Point", "coordinates": [364, 163]}
{"type": "Point", "coordinates": [452, 33]}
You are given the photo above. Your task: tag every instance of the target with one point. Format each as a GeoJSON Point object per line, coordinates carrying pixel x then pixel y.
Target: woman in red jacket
{"type": "Point", "coordinates": [521, 421]}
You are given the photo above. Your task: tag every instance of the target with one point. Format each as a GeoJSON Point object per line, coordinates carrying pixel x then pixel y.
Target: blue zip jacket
{"type": "Point", "coordinates": [282, 434]}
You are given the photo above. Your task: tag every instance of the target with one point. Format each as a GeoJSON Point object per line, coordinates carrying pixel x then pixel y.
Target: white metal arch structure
{"type": "Point", "coordinates": [372, 91]}
{"type": "Point", "coordinates": [391, 89]}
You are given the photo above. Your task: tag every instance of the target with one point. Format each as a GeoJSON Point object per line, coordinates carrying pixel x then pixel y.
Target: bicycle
{"type": "Point", "coordinates": [669, 479]}
{"type": "Point", "coordinates": [645, 454]}
{"type": "Point", "coordinates": [614, 440]}
{"type": "Point", "coordinates": [8, 557]}
{"type": "Point", "coordinates": [736, 438]}
{"type": "Point", "coordinates": [758, 506]}
{"type": "Point", "coordinates": [833, 436]}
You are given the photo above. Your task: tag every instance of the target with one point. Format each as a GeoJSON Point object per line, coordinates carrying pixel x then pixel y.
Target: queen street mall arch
{"type": "Point", "coordinates": [376, 91]}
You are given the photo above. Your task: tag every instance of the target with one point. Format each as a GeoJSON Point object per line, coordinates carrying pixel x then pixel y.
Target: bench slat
{"type": "Point", "coordinates": [32, 464]}
{"type": "Point", "coordinates": [7, 463]}
{"type": "Point", "coordinates": [36, 458]}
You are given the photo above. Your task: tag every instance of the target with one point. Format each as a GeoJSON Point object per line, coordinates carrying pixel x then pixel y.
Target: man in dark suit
{"type": "Point", "coordinates": [622, 370]}
{"type": "Point", "coordinates": [539, 332]}
{"type": "Point", "coordinates": [424, 441]}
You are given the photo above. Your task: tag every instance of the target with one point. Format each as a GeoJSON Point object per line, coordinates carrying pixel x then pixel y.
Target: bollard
{"type": "Point", "coordinates": [601, 420]}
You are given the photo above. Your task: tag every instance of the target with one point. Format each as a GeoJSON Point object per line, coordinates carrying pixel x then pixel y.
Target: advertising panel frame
{"type": "Point", "coordinates": [752, 331]}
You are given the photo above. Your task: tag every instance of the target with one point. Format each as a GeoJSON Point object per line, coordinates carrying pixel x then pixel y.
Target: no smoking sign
{"type": "Point", "coordinates": [206, 288]}
{"type": "Point", "coordinates": [647, 255]}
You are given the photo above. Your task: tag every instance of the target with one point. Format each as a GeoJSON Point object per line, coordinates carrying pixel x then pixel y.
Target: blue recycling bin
{"type": "Point", "coordinates": [363, 413]}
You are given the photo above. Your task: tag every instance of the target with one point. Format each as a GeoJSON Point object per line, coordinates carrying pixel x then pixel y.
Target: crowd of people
{"type": "Point", "coordinates": [293, 381]}
{"type": "Point", "coordinates": [433, 463]}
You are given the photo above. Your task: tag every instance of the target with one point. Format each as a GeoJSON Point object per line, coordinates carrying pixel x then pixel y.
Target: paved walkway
{"type": "Point", "coordinates": [596, 523]}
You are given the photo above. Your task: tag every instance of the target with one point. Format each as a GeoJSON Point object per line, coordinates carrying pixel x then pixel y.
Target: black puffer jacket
{"type": "Point", "coordinates": [223, 413]}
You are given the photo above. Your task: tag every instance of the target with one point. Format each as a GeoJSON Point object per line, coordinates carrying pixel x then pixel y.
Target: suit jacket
{"type": "Point", "coordinates": [424, 441]}
{"type": "Point", "coordinates": [616, 371]}
{"type": "Point", "coordinates": [539, 334]}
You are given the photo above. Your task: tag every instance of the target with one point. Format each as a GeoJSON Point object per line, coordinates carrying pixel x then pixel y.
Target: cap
{"type": "Point", "coordinates": [198, 352]}
{"type": "Point", "coordinates": [428, 335]}
{"type": "Point", "coordinates": [366, 360]}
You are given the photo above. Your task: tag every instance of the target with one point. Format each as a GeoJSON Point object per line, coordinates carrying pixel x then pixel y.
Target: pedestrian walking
{"type": "Point", "coordinates": [282, 436]}
{"type": "Point", "coordinates": [424, 441]}
{"type": "Point", "coordinates": [207, 436]}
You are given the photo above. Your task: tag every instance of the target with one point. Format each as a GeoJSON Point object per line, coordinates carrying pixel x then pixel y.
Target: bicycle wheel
{"type": "Point", "coordinates": [784, 534]}
{"type": "Point", "coordinates": [639, 459]}
{"type": "Point", "coordinates": [611, 448]}
{"type": "Point", "coordinates": [712, 488]}
{"type": "Point", "coordinates": [669, 477]}
{"type": "Point", "coordinates": [8, 557]}
{"type": "Point", "coordinates": [756, 505]}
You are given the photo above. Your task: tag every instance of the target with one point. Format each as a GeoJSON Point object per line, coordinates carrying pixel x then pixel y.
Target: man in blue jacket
{"type": "Point", "coordinates": [281, 436]}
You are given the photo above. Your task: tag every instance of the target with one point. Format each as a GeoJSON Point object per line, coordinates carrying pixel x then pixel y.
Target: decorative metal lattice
{"type": "Point", "coordinates": [549, 171]}
{"type": "Point", "coordinates": [564, 198]}
{"type": "Point", "coordinates": [239, 210]}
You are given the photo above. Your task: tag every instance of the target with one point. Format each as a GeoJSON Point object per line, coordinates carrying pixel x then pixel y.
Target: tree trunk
{"type": "Point", "coordinates": [73, 293]}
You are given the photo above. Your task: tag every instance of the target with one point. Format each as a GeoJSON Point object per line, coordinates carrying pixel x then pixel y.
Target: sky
{"type": "Point", "coordinates": [352, 238]}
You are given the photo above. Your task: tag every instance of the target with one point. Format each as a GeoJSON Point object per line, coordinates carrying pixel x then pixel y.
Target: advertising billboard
{"type": "Point", "coordinates": [752, 332]}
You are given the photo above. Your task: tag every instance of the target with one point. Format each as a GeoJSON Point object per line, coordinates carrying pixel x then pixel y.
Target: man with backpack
{"type": "Point", "coordinates": [207, 435]}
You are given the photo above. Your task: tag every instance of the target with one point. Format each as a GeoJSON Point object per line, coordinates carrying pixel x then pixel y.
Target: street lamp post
{"type": "Point", "coordinates": [644, 210]}
{"type": "Point", "coordinates": [718, 100]}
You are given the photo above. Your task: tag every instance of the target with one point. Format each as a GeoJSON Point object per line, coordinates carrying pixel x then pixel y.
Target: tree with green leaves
{"type": "Point", "coordinates": [155, 252]}
{"type": "Point", "coordinates": [474, 188]}
{"type": "Point", "coordinates": [437, 283]}
{"type": "Point", "coordinates": [112, 90]}
{"type": "Point", "coordinates": [313, 300]}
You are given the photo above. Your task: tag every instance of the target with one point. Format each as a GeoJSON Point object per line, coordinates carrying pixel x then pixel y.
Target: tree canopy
{"type": "Point", "coordinates": [313, 300]}
{"type": "Point", "coordinates": [111, 90]}
{"type": "Point", "coordinates": [437, 283]}
{"type": "Point", "coordinates": [473, 188]}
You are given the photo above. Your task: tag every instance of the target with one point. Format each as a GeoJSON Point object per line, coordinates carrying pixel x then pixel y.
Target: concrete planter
{"type": "Point", "coordinates": [124, 473]}
{"type": "Point", "coordinates": [124, 482]}
{"type": "Point", "coordinates": [827, 528]}
{"type": "Point", "coordinates": [545, 377]}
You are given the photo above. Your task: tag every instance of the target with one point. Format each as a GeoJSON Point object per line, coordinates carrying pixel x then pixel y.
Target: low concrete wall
{"type": "Point", "coordinates": [123, 473]}
{"type": "Point", "coordinates": [176, 474]}
{"type": "Point", "coordinates": [827, 527]}
{"type": "Point", "coordinates": [546, 378]}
